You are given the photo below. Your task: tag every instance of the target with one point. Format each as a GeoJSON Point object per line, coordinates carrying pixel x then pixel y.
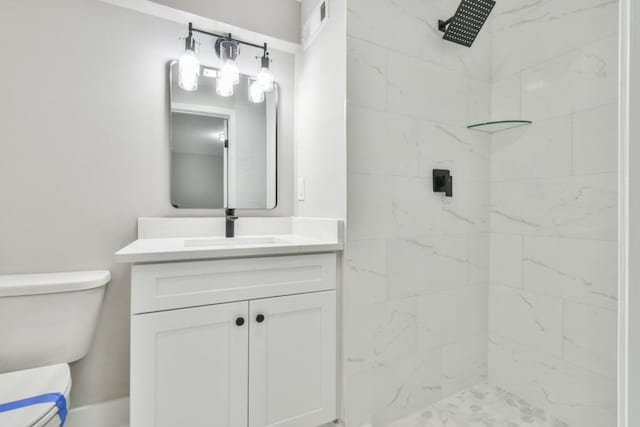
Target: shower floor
{"type": "Point", "coordinates": [482, 405]}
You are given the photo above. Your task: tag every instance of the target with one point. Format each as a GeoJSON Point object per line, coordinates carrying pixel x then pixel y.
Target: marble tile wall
{"type": "Point", "coordinates": [553, 292]}
{"type": "Point", "coordinates": [416, 318]}
{"type": "Point", "coordinates": [514, 278]}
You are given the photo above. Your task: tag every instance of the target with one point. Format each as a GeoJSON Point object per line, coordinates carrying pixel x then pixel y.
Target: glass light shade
{"type": "Point", "coordinates": [224, 87]}
{"type": "Point", "coordinates": [230, 72]}
{"type": "Point", "coordinates": [229, 51]}
{"type": "Point", "coordinates": [265, 80]}
{"type": "Point", "coordinates": [256, 93]}
{"type": "Point", "coordinates": [188, 71]}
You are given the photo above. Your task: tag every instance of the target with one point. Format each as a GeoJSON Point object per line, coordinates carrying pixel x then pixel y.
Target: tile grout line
{"type": "Point", "coordinates": [573, 135]}
{"type": "Point", "coordinates": [435, 62]}
{"type": "Point", "coordinates": [515, 342]}
{"type": "Point", "coordinates": [522, 257]}
{"type": "Point", "coordinates": [560, 55]}
{"type": "Point", "coordinates": [563, 330]}
{"type": "Point", "coordinates": [446, 233]}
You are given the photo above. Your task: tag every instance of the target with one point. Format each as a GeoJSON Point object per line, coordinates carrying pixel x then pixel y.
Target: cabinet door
{"type": "Point", "coordinates": [292, 360]}
{"type": "Point", "coordinates": [189, 367]}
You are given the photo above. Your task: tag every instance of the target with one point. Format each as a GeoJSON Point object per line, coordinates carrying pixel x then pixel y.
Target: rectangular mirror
{"type": "Point", "coordinates": [223, 149]}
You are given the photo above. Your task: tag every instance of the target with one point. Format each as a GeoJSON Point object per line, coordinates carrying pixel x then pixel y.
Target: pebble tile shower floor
{"type": "Point", "coordinates": [482, 405]}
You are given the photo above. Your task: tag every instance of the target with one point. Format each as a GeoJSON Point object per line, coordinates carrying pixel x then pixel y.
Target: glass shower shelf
{"type": "Point", "coordinates": [498, 125]}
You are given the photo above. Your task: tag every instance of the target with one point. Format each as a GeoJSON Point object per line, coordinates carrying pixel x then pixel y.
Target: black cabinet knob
{"type": "Point", "coordinates": [260, 318]}
{"type": "Point", "coordinates": [240, 321]}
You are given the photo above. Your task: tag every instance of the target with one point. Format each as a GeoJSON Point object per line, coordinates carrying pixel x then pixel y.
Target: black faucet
{"type": "Point", "coordinates": [230, 223]}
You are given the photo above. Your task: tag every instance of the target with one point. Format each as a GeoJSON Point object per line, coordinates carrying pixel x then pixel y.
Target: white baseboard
{"type": "Point", "coordinates": [113, 413]}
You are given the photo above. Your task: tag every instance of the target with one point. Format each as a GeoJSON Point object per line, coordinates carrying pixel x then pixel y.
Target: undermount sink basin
{"type": "Point", "coordinates": [233, 241]}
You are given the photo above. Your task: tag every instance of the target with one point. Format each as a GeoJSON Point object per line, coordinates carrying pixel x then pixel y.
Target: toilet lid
{"type": "Point", "coordinates": [15, 386]}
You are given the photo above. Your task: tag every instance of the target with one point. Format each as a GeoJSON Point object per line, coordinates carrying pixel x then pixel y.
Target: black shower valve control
{"type": "Point", "coordinates": [443, 182]}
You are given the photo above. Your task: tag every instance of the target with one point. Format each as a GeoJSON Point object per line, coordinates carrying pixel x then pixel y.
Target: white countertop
{"type": "Point", "coordinates": [162, 240]}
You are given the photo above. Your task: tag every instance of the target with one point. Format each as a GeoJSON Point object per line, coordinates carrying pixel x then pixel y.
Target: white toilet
{"type": "Point", "coordinates": [46, 322]}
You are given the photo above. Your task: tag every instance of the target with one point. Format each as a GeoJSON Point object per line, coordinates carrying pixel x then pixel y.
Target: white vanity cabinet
{"type": "Point", "coordinates": [234, 342]}
{"type": "Point", "coordinates": [292, 360]}
{"type": "Point", "coordinates": [190, 367]}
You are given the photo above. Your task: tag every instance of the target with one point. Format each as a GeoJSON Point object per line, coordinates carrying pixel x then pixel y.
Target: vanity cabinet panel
{"type": "Point", "coordinates": [169, 286]}
{"type": "Point", "coordinates": [292, 360]}
{"type": "Point", "coordinates": [190, 367]}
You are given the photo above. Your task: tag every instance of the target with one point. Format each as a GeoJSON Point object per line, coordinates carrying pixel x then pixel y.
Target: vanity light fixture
{"type": "Point", "coordinates": [228, 50]}
{"type": "Point", "coordinates": [189, 66]}
{"type": "Point", "coordinates": [265, 78]}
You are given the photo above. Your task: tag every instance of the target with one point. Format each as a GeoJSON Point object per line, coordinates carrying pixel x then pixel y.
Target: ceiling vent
{"type": "Point", "coordinates": [315, 23]}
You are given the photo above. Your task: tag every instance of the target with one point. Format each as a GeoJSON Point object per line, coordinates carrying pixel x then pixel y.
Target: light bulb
{"type": "Point", "coordinates": [188, 71]}
{"type": "Point", "coordinates": [230, 72]}
{"type": "Point", "coordinates": [228, 53]}
{"type": "Point", "coordinates": [265, 80]}
{"type": "Point", "coordinates": [224, 87]}
{"type": "Point", "coordinates": [256, 93]}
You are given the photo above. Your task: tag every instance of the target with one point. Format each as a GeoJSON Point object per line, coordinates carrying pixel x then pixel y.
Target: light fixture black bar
{"type": "Point", "coordinates": [228, 36]}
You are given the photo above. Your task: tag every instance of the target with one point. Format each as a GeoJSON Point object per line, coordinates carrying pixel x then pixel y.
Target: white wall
{"type": "Point", "coordinates": [553, 298]}
{"type": "Point", "coordinates": [320, 118]}
{"type": "Point", "coordinates": [277, 18]}
{"type": "Point", "coordinates": [93, 77]}
{"type": "Point", "coordinates": [416, 303]}
{"type": "Point", "coordinates": [190, 172]}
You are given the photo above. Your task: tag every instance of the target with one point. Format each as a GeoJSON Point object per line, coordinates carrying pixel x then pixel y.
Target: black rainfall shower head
{"type": "Point", "coordinates": [465, 25]}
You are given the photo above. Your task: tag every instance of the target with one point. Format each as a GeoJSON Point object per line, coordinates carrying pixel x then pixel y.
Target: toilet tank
{"type": "Point", "coordinates": [47, 319]}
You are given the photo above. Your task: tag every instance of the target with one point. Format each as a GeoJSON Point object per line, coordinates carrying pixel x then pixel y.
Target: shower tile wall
{"type": "Point", "coordinates": [553, 293]}
{"type": "Point", "coordinates": [418, 264]}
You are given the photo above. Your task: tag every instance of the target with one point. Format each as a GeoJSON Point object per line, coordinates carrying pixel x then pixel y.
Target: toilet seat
{"type": "Point", "coordinates": [28, 383]}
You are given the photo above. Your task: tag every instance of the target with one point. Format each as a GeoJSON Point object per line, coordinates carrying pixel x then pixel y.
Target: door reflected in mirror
{"type": "Point", "coordinates": [223, 149]}
{"type": "Point", "coordinates": [198, 160]}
